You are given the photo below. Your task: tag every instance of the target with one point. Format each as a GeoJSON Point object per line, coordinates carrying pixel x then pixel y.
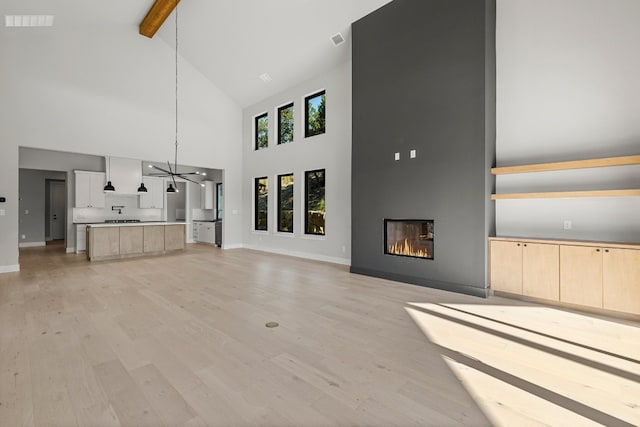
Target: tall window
{"type": "Point", "coordinates": [261, 188]}
{"type": "Point", "coordinates": [314, 106]}
{"type": "Point", "coordinates": [262, 131]}
{"type": "Point", "coordinates": [285, 124]}
{"type": "Point", "coordinates": [219, 200]}
{"type": "Point", "coordinates": [314, 204]}
{"type": "Point", "coordinates": [285, 203]}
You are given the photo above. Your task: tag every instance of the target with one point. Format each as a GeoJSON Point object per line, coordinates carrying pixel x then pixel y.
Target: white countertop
{"type": "Point", "coordinates": [134, 224]}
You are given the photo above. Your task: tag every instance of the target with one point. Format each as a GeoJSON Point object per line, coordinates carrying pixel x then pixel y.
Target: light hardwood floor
{"type": "Point", "coordinates": [180, 340]}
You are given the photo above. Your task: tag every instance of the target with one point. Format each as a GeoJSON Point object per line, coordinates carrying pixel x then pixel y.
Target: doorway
{"type": "Point", "coordinates": [57, 201]}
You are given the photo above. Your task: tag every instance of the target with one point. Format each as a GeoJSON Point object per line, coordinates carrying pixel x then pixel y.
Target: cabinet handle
{"type": "Point", "coordinates": [525, 245]}
{"type": "Point", "coordinates": [606, 250]}
{"type": "Point", "coordinates": [518, 244]}
{"type": "Point", "coordinates": [597, 250]}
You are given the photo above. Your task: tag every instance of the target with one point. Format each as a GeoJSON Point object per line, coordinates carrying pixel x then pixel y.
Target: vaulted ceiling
{"type": "Point", "coordinates": [231, 42]}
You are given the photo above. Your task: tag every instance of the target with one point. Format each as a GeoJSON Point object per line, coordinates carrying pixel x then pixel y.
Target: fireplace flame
{"type": "Point", "coordinates": [406, 248]}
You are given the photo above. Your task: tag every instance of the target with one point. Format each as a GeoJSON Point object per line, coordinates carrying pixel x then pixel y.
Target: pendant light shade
{"type": "Point", "coordinates": [171, 189]}
{"type": "Point", "coordinates": [109, 188]}
{"type": "Point", "coordinates": [142, 188]}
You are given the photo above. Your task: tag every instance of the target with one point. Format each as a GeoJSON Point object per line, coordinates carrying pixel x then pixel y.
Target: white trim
{"type": "Point", "coordinates": [233, 246]}
{"type": "Point", "coordinates": [32, 244]}
{"type": "Point", "coordinates": [9, 268]}
{"type": "Point", "coordinates": [315, 257]}
{"type": "Point", "coordinates": [71, 250]}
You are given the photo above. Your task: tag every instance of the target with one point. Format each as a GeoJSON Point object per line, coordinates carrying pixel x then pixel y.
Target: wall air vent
{"type": "Point", "coordinates": [28, 20]}
{"type": "Point", "coordinates": [337, 39]}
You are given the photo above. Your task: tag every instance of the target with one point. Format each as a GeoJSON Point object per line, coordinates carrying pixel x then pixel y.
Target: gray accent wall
{"type": "Point", "coordinates": [424, 80]}
{"type": "Point", "coordinates": [33, 186]}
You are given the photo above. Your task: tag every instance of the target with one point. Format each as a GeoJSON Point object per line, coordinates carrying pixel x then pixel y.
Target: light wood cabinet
{"type": "Point", "coordinates": [153, 238]}
{"type": "Point", "coordinates": [131, 240]}
{"type": "Point", "coordinates": [105, 242]}
{"type": "Point", "coordinates": [581, 275]}
{"type": "Point", "coordinates": [89, 189]}
{"type": "Point", "coordinates": [587, 274]}
{"type": "Point", "coordinates": [506, 266]}
{"type": "Point", "coordinates": [621, 280]}
{"type": "Point", "coordinates": [541, 270]}
{"type": "Point", "coordinates": [154, 197]}
{"type": "Point", "coordinates": [174, 237]}
{"type": "Point", "coordinates": [525, 268]}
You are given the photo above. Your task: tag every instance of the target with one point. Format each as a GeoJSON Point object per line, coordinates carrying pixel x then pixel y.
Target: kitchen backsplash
{"type": "Point", "coordinates": [129, 210]}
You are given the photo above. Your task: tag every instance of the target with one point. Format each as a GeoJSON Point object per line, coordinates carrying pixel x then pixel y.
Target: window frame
{"type": "Point", "coordinates": [255, 131]}
{"type": "Point", "coordinates": [279, 204]}
{"type": "Point", "coordinates": [306, 113]}
{"type": "Point", "coordinates": [256, 211]}
{"type": "Point", "coordinates": [219, 197]}
{"type": "Point", "coordinates": [306, 201]}
{"type": "Point", "coordinates": [279, 111]}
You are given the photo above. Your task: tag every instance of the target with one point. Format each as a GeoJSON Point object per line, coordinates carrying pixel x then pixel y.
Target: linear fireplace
{"type": "Point", "coordinates": [409, 237]}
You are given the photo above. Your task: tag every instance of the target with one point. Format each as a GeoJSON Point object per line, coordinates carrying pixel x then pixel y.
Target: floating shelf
{"type": "Point", "coordinates": [568, 194]}
{"type": "Point", "coordinates": [573, 164]}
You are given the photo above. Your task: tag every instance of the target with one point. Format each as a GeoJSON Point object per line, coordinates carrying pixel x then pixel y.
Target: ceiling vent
{"type": "Point", "coordinates": [337, 39]}
{"type": "Point", "coordinates": [265, 77]}
{"type": "Point", "coordinates": [28, 20]}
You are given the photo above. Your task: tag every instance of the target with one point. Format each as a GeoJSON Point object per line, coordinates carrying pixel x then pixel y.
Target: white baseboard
{"type": "Point", "coordinates": [31, 244]}
{"type": "Point", "coordinates": [315, 257]}
{"type": "Point", "coordinates": [9, 268]}
{"type": "Point", "coordinates": [71, 250]}
{"type": "Point", "coordinates": [233, 246]}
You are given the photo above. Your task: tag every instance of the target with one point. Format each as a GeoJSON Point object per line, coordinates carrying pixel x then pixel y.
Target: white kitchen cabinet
{"type": "Point", "coordinates": [154, 197]}
{"type": "Point", "coordinates": [208, 194]}
{"type": "Point", "coordinates": [81, 238]}
{"type": "Point", "coordinates": [204, 232]}
{"type": "Point", "coordinates": [89, 188]}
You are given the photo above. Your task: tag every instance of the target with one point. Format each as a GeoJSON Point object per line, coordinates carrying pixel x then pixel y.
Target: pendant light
{"type": "Point", "coordinates": [142, 188]}
{"type": "Point", "coordinates": [171, 189]}
{"type": "Point", "coordinates": [109, 188]}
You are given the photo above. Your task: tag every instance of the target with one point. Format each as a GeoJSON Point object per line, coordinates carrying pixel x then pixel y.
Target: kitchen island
{"type": "Point", "coordinates": [126, 240]}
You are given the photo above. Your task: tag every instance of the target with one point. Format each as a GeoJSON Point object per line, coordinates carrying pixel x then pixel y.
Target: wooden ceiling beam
{"type": "Point", "coordinates": [156, 16]}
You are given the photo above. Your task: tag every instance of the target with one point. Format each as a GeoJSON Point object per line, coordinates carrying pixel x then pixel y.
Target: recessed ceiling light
{"type": "Point", "coordinates": [337, 39]}
{"type": "Point", "coordinates": [28, 20]}
{"type": "Point", "coordinates": [265, 77]}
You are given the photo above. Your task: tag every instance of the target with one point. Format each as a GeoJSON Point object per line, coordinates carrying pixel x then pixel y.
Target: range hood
{"type": "Point", "coordinates": [125, 174]}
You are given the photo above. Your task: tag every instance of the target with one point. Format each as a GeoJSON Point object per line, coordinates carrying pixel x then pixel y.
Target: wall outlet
{"type": "Point", "coordinates": [2, 212]}
{"type": "Point", "coordinates": [412, 154]}
{"type": "Point", "coordinates": [396, 156]}
{"type": "Point", "coordinates": [567, 224]}
{"type": "Point", "coordinates": [24, 236]}
{"type": "Point", "coordinates": [26, 211]}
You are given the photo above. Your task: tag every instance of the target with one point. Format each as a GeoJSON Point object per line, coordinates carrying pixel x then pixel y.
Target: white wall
{"type": "Point", "coordinates": [568, 88]}
{"type": "Point", "coordinates": [330, 151]}
{"type": "Point", "coordinates": [107, 92]}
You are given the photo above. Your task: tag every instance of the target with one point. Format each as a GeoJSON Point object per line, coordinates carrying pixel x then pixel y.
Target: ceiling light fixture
{"type": "Point", "coordinates": [28, 20]}
{"type": "Point", "coordinates": [337, 39]}
{"type": "Point", "coordinates": [173, 172]}
{"type": "Point", "coordinates": [109, 188]}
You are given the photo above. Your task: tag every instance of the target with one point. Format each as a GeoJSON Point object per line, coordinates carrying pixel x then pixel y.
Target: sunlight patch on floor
{"type": "Point", "coordinates": [536, 365]}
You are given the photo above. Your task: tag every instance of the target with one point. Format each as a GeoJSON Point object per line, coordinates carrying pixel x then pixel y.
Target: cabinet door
{"type": "Point", "coordinates": [208, 195]}
{"type": "Point", "coordinates": [621, 280]}
{"type": "Point", "coordinates": [581, 275]}
{"type": "Point", "coordinates": [506, 266]}
{"type": "Point", "coordinates": [106, 241]}
{"type": "Point", "coordinates": [83, 190]}
{"type": "Point", "coordinates": [153, 236]}
{"type": "Point", "coordinates": [541, 271]}
{"type": "Point", "coordinates": [173, 237]}
{"type": "Point", "coordinates": [81, 238]}
{"type": "Point", "coordinates": [131, 240]}
{"type": "Point", "coordinates": [96, 193]}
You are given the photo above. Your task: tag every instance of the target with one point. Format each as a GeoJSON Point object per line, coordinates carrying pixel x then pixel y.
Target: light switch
{"type": "Point", "coordinates": [397, 156]}
{"type": "Point", "coordinates": [26, 211]}
{"type": "Point", "coordinates": [412, 154]}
